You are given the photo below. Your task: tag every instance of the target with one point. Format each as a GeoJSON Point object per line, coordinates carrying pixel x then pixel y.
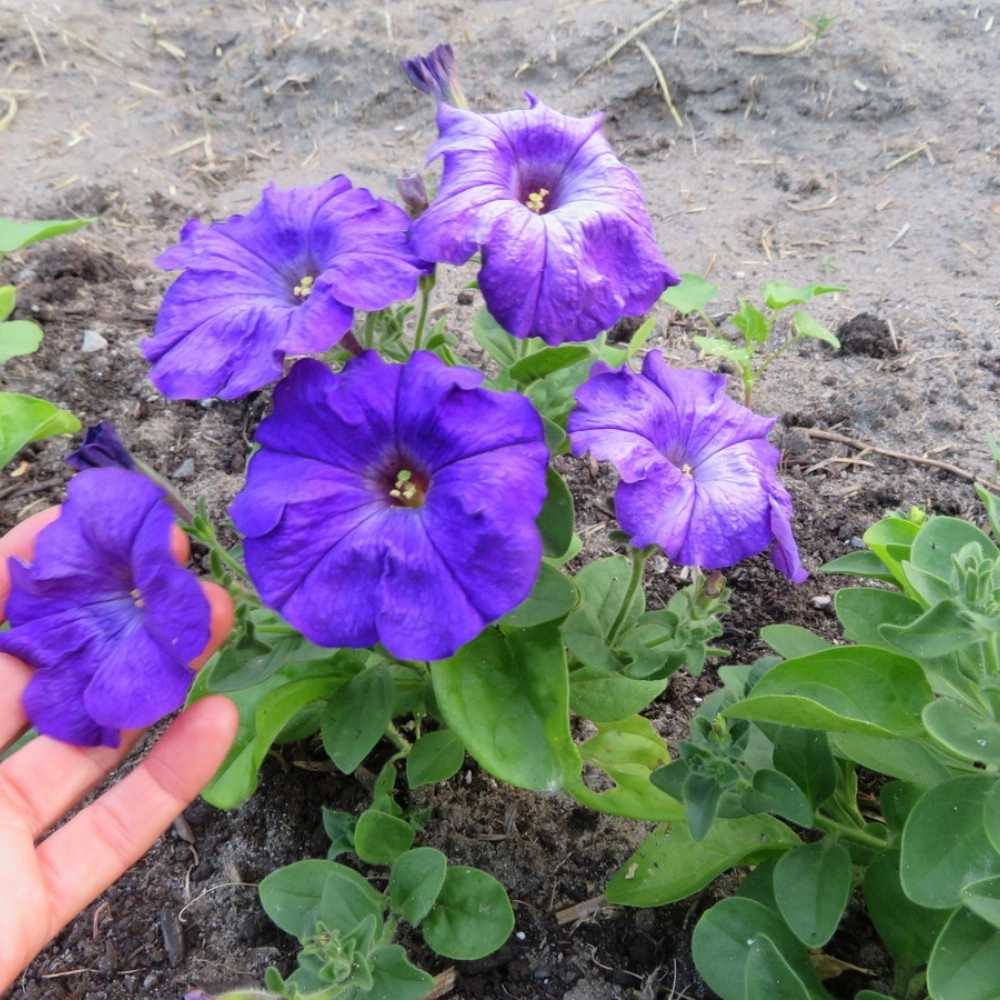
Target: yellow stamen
{"type": "Point", "coordinates": [536, 200]}
{"type": "Point", "coordinates": [686, 470]}
{"type": "Point", "coordinates": [405, 489]}
{"type": "Point", "coordinates": [137, 598]}
{"type": "Point", "coordinates": [304, 287]}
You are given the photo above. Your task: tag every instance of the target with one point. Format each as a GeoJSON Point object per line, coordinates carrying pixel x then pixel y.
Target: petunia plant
{"type": "Point", "coordinates": [404, 553]}
{"type": "Point", "coordinates": [26, 418]}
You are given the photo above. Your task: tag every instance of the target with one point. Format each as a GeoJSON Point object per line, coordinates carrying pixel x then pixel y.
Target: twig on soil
{"type": "Point", "coordinates": [83, 41]}
{"type": "Point", "coordinates": [444, 983]}
{"type": "Point", "coordinates": [802, 45]}
{"type": "Point", "coordinates": [898, 236]}
{"type": "Point", "coordinates": [902, 456]}
{"type": "Point", "coordinates": [924, 147]}
{"type": "Point", "coordinates": [37, 43]}
{"type": "Point", "coordinates": [661, 79]}
{"type": "Point", "coordinates": [632, 35]}
{"type": "Point", "coordinates": [580, 911]}
{"type": "Point", "coordinates": [8, 116]}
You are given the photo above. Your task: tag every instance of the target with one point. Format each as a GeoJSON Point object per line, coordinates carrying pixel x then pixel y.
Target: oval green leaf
{"type": "Point", "coordinates": [811, 885]}
{"type": "Point", "coordinates": [471, 917]}
{"type": "Point", "coordinates": [965, 962]}
{"type": "Point", "coordinates": [415, 882]}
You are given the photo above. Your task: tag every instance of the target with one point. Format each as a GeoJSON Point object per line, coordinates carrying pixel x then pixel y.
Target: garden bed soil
{"type": "Point", "coordinates": [866, 157]}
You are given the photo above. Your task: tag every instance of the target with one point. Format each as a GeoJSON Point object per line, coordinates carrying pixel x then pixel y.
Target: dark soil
{"type": "Point", "coordinates": [868, 158]}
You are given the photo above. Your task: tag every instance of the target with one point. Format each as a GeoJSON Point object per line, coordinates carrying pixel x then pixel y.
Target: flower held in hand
{"type": "Point", "coordinates": [698, 474]}
{"type": "Point", "coordinates": [104, 614]}
{"type": "Point", "coordinates": [283, 279]}
{"type": "Point", "coordinates": [394, 503]}
{"type": "Point", "coordinates": [567, 244]}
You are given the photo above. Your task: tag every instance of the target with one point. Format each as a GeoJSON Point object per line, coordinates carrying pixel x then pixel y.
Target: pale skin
{"type": "Point", "coordinates": [45, 880]}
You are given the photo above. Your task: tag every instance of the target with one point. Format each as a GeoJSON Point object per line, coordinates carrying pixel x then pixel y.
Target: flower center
{"type": "Point", "coordinates": [137, 599]}
{"type": "Point", "coordinates": [686, 471]}
{"type": "Point", "coordinates": [304, 287]}
{"type": "Point", "coordinates": [536, 200]}
{"type": "Point", "coordinates": [409, 489]}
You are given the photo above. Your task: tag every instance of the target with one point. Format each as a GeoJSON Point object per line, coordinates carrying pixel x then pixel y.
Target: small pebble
{"type": "Point", "coordinates": [821, 601]}
{"type": "Point", "coordinates": [92, 341]}
{"type": "Point", "coordinates": [185, 470]}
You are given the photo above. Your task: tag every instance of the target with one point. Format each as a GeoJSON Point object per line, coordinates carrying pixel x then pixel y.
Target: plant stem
{"type": "Point", "coordinates": [850, 833]}
{"type": "Point", "coordinates": [639, 557]}
{"type": "Point", "coordinates": [426, 287]}
{"type": "Point", "coordinates": [395, 737]}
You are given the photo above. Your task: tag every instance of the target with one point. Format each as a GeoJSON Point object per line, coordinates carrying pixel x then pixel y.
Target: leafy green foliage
{"type": "Point", "coordinates": [755, 325]}
{"type": "Point", "coordinates": [917, 698]}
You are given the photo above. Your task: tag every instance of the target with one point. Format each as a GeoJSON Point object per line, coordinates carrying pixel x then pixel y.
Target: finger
{"type": "Point", "coordinates": [223, 617]}
{"type": "Point", "coordinates": [86, 855]}
{"type": "Point", "coordinates": [46, 778]}
{"type": "Point", "coordinates": [20, 541]}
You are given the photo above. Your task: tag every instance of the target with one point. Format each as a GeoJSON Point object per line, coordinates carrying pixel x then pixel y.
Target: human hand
{"type": "Point", "coordinates": [45, 883]}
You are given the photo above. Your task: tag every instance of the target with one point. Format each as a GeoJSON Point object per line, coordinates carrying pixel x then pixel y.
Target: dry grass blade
{"type": "Point", "coordinates": [630, 36]}
{"type": "Point", "coordinates": [802, 45]}
{"type": "Point", "coordinates": [661, 79]}
{"type": "Point", "coordinates": [8, 116]}
{"type": "Point", "coordinates": [90, 46]}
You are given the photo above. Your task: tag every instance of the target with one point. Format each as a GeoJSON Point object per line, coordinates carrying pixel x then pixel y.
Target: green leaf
{"type": "Point", "coordinates": [339, 827]}
{"type": "Point", "coordinates": [18, 337]}
{"type": "Point", "coordinates": [355, 720]}
{"type": "Point", "coordinates": [394, 977]}
{"type": "Point", "coordinates": [692, 294]}
{"type": "Point", "coordinates": [790, 641]}
{"type": "Point", "coordinates": [804, 755]}
{"type": "Point", "coordinates": [25, 418]}
{"type": "Point", "coordinates": [264, 709]}
{"type": "Point", "coordinates": [934, 868]}
{"type": "Point", "coordinates": [670, 865]}
{"type": "Point", "coordinates": [718, 347]}
{"type": "Point", "coordinates": [812, 884]}
{"type": "Point", "coordinates": [471, 917]}
{"type": "Point", "coordinates": [767, 973]}
{"type": "Point", "coordinates": [991, 816]}
{"type": "Point", "coordinates": [603, 696]}
{"type": "Point", "coordinates": [751, 322]}
{"type": "Point", "coordinates": [547, 361]}
{"type": "Point", "coordinates": [15, 235]}
{"type": "Point", "coordinates": [775, 792]}
{"type": "Point", "coordinates": [628, 752]}
{"type": "Point", "coordinates": [380, 838]}
{"type": "Point", "coordinates": [435, 757]}
{"type": "Point", "coordinates": [908, 930]}
{"type": "Point", "coordinates": [842, 689]}
{"type": "Point", "coordinates": [701, 794]}
{"type": "Point", "coordinates": [724, 939]}
{"type": "Point", "coordinates": [964, 732]}
{"type": "Point", "coordinates": [557, 520]}
{"type": "Point", "coordinates": [8, 297]}
{"type": "Point", "coordinates": [863, 564]}
{"type": "Point", "coordinates": [942, 537]}
{"type": "Point", "coordinates": [640, 337]}
{"type": "Point", "coordinates": [806, 326]}
{"type": "Point", "coordinates": [494, 339]}
{"type": "Point", "coordinates": [989, 500]}
{"type": "Point", "coordinates": [347, 899]}
{"type": "Point", "coordinates": [296, 896]}
{"type": "Point", "coordinates": [551, 599]}
{"type": "Point", "coordinates": [891, 539]}
{"type": "Point", "coordinates": [415, 882]}
{"type": "Point", "coordinates": [965, 960]}
{"type": "Point", "coordinates": [603, 585]}
{"type": "Point", "coordinates": [507, 698]}
{"type": "Point", "coordinates": [778, 294]}
{"type": "Point", "coordinates": [863, 611]}
{"type": "Point", "coordinates": [983, 899]}
{"type": "Point", "coordinates": [905, 759]}
{"type": "Point", "coordinates": [585, 639]}
{"type": "Point", "coordinates": [938, 632]}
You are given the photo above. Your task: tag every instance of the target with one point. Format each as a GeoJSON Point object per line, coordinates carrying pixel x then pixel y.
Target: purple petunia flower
{"type": "Point", "coordinates": [394, 503]}
{"type": "Point", "coordinates": [567, 244]}
{"type": "Point", "coordinates": [283, 279]}
{"type": "Point", "coordinates": [102, 448]}
{"type": "Point", "coordinates": [698, 474]}
{"type": "Point", "coordinates": [435, 75]}
{"type": "Point", "coordinates": [104, 614]}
